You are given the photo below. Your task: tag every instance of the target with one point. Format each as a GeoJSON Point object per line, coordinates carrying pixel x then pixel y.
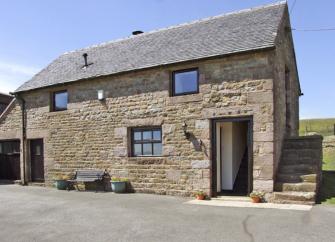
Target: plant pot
{"type": "Point", "coordinates": [200, 197]}
{"type": "Point", "coordinates": [256, 199]}
{"type": "Point", "coordinates": [61, 184]}
{"type": "Point", "coordinates": [119, 186]}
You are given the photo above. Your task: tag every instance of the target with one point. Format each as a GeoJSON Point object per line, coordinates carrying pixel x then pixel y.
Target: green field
{"type": "Point", "coordinates": [324, 127]}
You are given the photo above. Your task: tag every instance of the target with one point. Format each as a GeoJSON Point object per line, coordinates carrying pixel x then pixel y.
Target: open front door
{"type": "Point", "coordinates": [232, 168]}
{"type": "Point", "coordinates": [37, 160]}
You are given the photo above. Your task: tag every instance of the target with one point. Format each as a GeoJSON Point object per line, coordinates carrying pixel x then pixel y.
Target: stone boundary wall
{"type": "Point", "coordinates": [309, 147]}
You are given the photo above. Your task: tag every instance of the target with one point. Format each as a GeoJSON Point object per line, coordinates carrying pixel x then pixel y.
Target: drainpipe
{"type": "Point", "coordinates": [23, 136]}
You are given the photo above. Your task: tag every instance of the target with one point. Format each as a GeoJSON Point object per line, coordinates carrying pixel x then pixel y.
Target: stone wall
{"type": "Point", "coordinates": [284, 59]}
{"type": "Point", "coordinates": [10, 122]}
{"type": "Point", "coordinates": [96, 134]}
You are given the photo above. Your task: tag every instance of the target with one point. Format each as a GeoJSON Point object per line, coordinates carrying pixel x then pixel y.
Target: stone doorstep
{"type": "Point", "coordinates": [17, 182]}
{"type": "Point", "coordinates": [291, 197]}
{"type": "Point", "coordinates": [36, 184]}
{"type": "Point", "coordinates": [296, 178]}
{"type": "Point", "coordinates": [244, 204]}
{"type": "Point", "coordinates": [297, 168]}
{"type": "Point", "coordinates": [231, 198]}
{"type": "Point", "coordinates": [298, 187]}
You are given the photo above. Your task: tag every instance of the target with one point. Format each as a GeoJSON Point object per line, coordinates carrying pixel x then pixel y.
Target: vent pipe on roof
{"type": "Point", "coordinates": [137, 32]}
{"type": "Point", "coordinates": [85, 59]}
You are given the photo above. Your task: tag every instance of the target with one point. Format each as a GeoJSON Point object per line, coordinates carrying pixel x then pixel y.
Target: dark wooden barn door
{"type": "Point", "coordinates": [37, 160]}
{"type": "Point", "coordinates": [10, 160]}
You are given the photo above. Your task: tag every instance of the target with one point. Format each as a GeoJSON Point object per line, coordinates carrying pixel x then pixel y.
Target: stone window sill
{"type": "Point", "coordinates": [55, 113]}
{"type": "Point", "coordinates": [185, 98]}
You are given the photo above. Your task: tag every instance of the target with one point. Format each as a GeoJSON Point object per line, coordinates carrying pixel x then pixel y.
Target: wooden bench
{"type": "Point", "coordinates": [94, 176]}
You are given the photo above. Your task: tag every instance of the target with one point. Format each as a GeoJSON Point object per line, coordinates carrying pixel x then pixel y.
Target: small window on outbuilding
{"type": "Point", "coordinates": [59, 101]}
{"type": "Point", "coordinates": [185, 82]}
{"type": "Point", "coordinates": [146, 141]}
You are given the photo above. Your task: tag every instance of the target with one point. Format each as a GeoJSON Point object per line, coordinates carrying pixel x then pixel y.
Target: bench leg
{"type": "Point", "coordinates": [77, 187]}
{"type": "Point", "coordinates": [69, 184]}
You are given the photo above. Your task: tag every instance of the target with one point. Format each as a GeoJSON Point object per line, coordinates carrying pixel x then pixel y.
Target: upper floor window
{"type": "Point", "coordinates": [185, 82]}
{"type": "Point", "coordinates": [146, 142]}
{"type": "Point", "coordinates": [59, 101]}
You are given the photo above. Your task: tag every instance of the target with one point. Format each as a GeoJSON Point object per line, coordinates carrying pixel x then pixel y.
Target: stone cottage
{"type": "Point", "coordinates": [205, 105]}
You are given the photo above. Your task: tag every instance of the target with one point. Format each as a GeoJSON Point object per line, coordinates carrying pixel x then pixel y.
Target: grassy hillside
{"type": "Point", "coordinates": [324, 127]}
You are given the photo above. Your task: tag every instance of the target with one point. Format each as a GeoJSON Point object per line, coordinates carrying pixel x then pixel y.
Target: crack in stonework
{"type": "Point", "coordinates": [245, 228]}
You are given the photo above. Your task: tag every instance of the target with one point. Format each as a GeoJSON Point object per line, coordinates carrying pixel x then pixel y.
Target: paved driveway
{"type": "Point", "coordinates": [44, 214]}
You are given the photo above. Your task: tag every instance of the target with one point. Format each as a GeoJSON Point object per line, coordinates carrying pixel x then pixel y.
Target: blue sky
{"type": "Point", "coordinates": [35, 32]}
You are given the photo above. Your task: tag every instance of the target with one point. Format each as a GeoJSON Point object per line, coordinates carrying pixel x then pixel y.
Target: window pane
{"type": "Point", "coordinates": [157, 135]}
{"type": "Point", "coordinates": [137, 135]}
{"type": "Point", "coordinates": [186, 82]}
{"type": "Point", "coordinates": [16, 147]}
{"type": "Point", "coordinates": [147, 135]}
{"type": "Point", "coordinates": [147, 149]}
{"type": "Point", "coordinates": [61, 101]}
{"type": "Point", "coordinates": [38, 150]}
{"type": "Point", "coordinates": [7, 148]}
{"type": "Point", "coordinates": [158, 149]}
{"type": "Point", "coordinates": [137, 149]}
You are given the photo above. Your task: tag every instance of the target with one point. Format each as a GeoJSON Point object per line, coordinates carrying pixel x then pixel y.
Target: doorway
{"type": "Point", "coordinates": [10, 160]}
{"type": "Point", "coordinates": [37, 160]}
{"type": "Point", "coordinates": [232, 156]}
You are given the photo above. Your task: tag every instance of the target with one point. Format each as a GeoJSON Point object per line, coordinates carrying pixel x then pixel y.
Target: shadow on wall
{"type": "Point", "coordinates": [197, 143]}
{"type": "Point", "coordinates": [327, 190]}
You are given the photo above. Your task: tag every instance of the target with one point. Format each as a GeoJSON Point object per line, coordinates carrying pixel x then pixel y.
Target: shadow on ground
{"type": "Point", "coordinates": [327, 190]}
{"type": "Point", "coordinates": [7, 182]}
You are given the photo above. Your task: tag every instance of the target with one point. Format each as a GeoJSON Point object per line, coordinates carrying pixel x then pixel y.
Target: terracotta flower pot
{"type": "Point", "coordinates": [256, 199]}
{"type": "Point", "coordinates": [200, 197]}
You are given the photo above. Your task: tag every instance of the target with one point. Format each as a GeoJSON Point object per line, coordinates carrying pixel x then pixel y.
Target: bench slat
{"type": "Point", "coordinates": [89, 175]}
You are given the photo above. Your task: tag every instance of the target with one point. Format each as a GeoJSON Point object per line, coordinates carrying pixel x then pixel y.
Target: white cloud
{"type": "Point", "coordinates": [13, 75]}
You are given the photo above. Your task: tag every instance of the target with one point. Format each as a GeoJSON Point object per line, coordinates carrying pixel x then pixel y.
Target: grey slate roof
{"type": "Point", "coordinates": [244, 30]}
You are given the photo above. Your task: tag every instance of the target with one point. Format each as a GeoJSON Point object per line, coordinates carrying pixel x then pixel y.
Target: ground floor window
{"type": "Point", "coordinates": [146, 141]}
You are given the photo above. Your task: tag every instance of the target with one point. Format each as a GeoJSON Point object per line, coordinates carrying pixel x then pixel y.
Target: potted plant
{"type": "Point", "coordinates": [256, 197]}
{"type": "Point", "coordinates": [62, 182]}
{"type": "Point", "coordinates": [200, 195]}
{"type": "Point", "coordinates": [119, 185]}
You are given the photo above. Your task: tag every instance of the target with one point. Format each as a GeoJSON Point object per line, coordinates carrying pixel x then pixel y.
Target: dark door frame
{"type": "Point", "coordinates": [214, 121]}
{"type": "Point", "coordinates": [31, 162]}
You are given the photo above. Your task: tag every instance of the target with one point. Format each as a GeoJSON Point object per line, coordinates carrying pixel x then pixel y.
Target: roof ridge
{"type": "Point", "coordinates": [179, 25]}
